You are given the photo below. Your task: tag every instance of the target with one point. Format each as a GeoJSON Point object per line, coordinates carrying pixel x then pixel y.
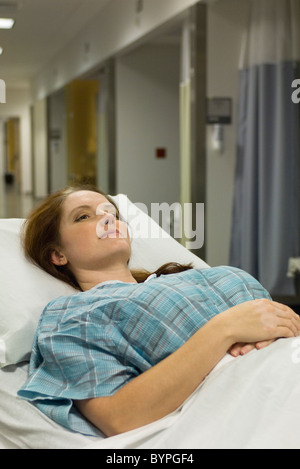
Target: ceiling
{"type": "Point", "coordinates": [42, 28]}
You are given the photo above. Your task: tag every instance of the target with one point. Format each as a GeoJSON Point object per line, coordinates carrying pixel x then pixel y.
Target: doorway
{"type": "Point", "coordinates": [81, 132]}
{"type": "Point", "coordinates": [12, 162]}
{"type": "Point", "coordinates": [81, 97]}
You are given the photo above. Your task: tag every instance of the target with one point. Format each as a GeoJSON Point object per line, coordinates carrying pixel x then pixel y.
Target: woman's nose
{"type": "Point", "coordinates": [106, 223]}
{"type": "Point", "coordinates": [109, 220]}
{"type": "Point", "coordinates": [105, 218]}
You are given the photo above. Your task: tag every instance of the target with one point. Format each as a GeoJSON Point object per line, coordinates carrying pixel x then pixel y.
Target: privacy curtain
{"type": "Point", "coordinates": [266, 213]}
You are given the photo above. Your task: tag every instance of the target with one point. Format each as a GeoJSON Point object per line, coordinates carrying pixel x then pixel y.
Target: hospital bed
{"type": "Point", "coordinates": [245, 402]}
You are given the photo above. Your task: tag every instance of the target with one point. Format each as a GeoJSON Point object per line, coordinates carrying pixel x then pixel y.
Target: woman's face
{"type": "Point", "coordinates": [91, 235]}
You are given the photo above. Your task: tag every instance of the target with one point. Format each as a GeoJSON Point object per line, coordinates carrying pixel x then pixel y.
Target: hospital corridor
{"type": "Point", "coordinates": [183, 117]}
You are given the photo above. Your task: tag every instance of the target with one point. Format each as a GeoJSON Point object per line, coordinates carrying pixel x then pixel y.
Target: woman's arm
{"type": "Point", "coordinates": [163, 388]}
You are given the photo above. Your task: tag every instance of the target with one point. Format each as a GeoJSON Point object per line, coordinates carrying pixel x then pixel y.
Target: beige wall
{"type": "Point", "coordinates": [147, 119]}
{"type": "Point", "coordinates": [40, 165]}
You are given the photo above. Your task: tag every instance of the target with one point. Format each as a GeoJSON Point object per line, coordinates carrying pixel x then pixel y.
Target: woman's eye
{"type": "Point", "coordinates": [82, 217]}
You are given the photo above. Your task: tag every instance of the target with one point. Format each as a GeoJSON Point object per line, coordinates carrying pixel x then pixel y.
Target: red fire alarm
{"type": "Point", "coordinates": [161, 152]}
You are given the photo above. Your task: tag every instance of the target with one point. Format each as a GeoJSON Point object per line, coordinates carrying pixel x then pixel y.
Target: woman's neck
{"type": "Point", "coordinates": [90, 279]}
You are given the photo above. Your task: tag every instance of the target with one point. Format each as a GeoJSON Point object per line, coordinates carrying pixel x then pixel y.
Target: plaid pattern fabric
{"type": "Point", "coordinates": [91, 344]}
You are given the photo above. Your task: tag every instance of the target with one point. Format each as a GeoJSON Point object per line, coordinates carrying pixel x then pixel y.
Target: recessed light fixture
{"type": "Point", "coordinates": [1, 50]}
{"type": "Point", "coordinates": [6, 23]}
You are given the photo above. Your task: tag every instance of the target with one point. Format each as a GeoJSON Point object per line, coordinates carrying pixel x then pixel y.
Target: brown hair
{"type": "Point", "coordinates": [41, 237]}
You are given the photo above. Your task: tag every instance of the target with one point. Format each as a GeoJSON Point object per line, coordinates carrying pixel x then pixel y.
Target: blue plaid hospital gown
{"type": "Point", "coordinates": [92, 343]}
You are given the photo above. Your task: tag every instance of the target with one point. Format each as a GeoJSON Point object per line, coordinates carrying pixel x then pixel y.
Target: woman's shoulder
{"type": "Point", "coordinates": [57, 309]}
{"type": "Point", "coordinates": [63, 302]}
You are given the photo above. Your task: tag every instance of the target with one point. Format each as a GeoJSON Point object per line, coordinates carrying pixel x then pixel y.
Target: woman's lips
{"type": "Point", "coordinates": [111, 234]}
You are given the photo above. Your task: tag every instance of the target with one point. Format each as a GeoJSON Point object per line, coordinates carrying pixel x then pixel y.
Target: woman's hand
{"type": "Point", "coordinates": [258, 323]}
{"type": "Point", "coordinates": [243, 349]}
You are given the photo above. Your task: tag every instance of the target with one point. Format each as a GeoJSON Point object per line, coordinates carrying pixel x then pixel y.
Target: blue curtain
{"type": "Point", "coordinates": [266, 209]}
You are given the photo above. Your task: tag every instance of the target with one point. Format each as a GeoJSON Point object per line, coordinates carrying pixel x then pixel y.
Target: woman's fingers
{"type": "Point", "coordinates": [247, 348]}
{"type": "Point", "coordinates": [286, 312]}
{"type": "Point", "coordinates": [287, 325]}
{"type": "Point", "coordinates": [260, 320]}
{"type": "Point", "coordinates": [241, 349]}
{"type": "Point", "coordinates": [287, 318]}
{"type": "Point", "coordinates": [235, 350]}
{"type": "Point", "coordinates": [283, 318]}
{"type": "Point", "coordinates": [263, 344]}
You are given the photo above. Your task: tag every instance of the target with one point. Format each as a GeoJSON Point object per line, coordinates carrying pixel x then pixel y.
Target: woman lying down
{"type": "Point", "coordinates": [131, 347]}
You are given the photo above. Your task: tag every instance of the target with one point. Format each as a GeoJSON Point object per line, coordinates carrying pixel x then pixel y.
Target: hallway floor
{"type": "Point", "coordinates": [12, 203]}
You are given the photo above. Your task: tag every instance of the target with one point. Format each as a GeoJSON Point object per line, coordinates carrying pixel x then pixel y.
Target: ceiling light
{"type": "Point", "coordinates": [6, 23]}
{"type": "Point", "coordinates": [1, 50]}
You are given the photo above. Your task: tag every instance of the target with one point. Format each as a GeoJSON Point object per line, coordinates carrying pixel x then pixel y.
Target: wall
{"type": "Point", "coordinates": [40, 143]}
{"type": "Point", "coordinates": [148, 118]}
{"type": "Point", "coordinates": [57, 141]}
{"type": "Point", "coordinates": [227, 20]}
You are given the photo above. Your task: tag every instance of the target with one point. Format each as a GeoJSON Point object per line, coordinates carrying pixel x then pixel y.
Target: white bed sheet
{"type": "Point", "coordinates": [251, 402]}
{"type": "Point", "coordinates": [246, 402]}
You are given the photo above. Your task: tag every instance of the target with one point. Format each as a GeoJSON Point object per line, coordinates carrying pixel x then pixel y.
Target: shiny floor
{"type": "Point", "coordinates": [12, 203]}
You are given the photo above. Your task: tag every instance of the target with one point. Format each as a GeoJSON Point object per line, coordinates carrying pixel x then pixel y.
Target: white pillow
{"type": "Point", "coordinates": [27, 289]}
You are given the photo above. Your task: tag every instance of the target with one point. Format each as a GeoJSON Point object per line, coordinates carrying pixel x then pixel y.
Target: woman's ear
{"type": "Point", "coordinates": [58, 258]}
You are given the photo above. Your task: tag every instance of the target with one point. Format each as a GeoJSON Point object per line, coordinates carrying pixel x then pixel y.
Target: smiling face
{"type": "Point", "coordinates": [92, 238]}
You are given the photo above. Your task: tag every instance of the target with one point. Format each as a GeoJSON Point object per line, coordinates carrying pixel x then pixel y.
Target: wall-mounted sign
{"type": "Point", "coordinates": [219, 111]}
